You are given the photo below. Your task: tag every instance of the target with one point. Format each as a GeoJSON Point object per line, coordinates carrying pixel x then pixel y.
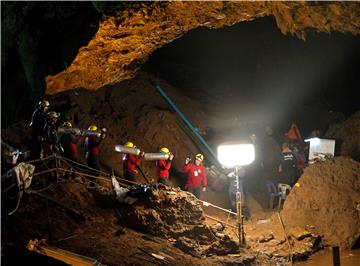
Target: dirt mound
{"type": "Point", "coordinates": [328, 200]}
{"type": "Point", "coordinates": [133, 111]}
{"type": "Point", "coordinates": [347, 135]}
{"type": "Point", "coordinates": [175, 214]}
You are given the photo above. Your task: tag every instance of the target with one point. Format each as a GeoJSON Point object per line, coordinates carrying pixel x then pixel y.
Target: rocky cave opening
{"type": "Point", "coordinates": [230, 81]}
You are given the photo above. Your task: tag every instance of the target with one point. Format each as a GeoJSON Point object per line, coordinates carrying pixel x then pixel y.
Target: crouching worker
{"type": "Point", "coordinates": [196, 175]}
{"type": "Point", "coordinates": [131, 162]}
{"type": "Point", "coordinates": [164, 166]}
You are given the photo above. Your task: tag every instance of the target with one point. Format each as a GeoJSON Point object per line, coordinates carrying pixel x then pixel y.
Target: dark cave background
{"type": "Point", "coordinates": [254, 72]}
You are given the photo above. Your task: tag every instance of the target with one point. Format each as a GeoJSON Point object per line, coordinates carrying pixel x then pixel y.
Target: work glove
{"type": "Point", "coordinates": [171, 156]}
{"type": "Point", "coordinates": [187, 160]}
{"type": "Point", "coordinates": [204, 189]}
{"type": "Point", "coordinates": [103, 131]}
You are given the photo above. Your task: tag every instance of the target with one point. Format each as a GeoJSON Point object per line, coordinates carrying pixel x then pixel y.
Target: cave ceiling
{"type": "Point", "coordinates": [126, 38]}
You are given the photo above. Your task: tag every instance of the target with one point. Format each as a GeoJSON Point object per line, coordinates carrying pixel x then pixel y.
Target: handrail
{"type": "Point", "coordinates": [205, 203]}
{"type": "Point", "coordinates": [122, 180]}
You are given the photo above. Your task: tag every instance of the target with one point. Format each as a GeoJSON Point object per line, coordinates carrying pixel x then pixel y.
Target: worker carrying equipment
{"type": "Point", "coordinates": [164, 165]}
{"type": "Point", "coordinates": [92, 146]}
{"type": "Point", "coordinates": [196, 175]}
{"type": "Point", "coordinates": [50, 142]}
{"type": "Point", "coordinates": [37, 124]}
{"type": "Point", "coordinates": [69, 141]}
{"type": "Point", "coordinates": [131, 162]}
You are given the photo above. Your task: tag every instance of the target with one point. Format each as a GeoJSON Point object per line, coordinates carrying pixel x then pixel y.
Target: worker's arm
{"type": "Point", "coordinates": [204, 179]}
{"type": "Point", "coordinates": [187, 168]}
{"type": "Point", "coordinates": [139, 158]}
{"type": "Point", "coordinates": [164, 164]}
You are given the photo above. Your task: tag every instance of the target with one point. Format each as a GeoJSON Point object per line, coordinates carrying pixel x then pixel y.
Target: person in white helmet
{"type": "Point", "coordinates": [37, 124]}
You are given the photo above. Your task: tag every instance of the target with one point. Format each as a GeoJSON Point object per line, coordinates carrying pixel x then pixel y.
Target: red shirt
{"type": "Point", "coordinates": [74, 141]}
{"type": "Point", "coordinates": [130, 162]}
{"type": "Point", "coordinates": [163, 168]}
{"type": "Point", "coordinates": [196, 175]}
{"type": "Point", "coordinates": [92, 145]}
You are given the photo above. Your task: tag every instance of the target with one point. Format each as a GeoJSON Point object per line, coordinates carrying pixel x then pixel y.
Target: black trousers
{"type": "Point", "coordinates": [129, 175]}
{"type": "Point", "coordinates": [195, 191]}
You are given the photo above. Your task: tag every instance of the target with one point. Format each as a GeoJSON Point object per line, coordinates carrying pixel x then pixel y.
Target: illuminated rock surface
{"type": "Point", "coordinates": [124, 41]}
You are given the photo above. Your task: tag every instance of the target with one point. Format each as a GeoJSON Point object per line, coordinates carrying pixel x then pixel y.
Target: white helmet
{"type": "Point", "coordinates": [44, 103]}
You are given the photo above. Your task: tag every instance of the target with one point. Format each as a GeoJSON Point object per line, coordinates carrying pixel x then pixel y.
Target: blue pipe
{"type": "Point", "coordinates": [186, 121]}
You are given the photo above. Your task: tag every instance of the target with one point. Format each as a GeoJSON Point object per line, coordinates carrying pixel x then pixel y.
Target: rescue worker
{"type": "Point", "coordinates": [131, 162]}
{"type": "Point", "coordinates": [38, 121]}
{"type": "Point", "coordinates": [51, 143]}
{"type": "Point", "coordinates": [287, 165]}
{"type": "Point", "coordinates": [92, 149]}
{"type": "Point", "coordinates": [299, 162]}
{"type": "Point", "coordinates": [70, 143]}
{"type": "Point", "coordinates": [196, 175]}
{"type": "Point", "coordinates": [164, 166]}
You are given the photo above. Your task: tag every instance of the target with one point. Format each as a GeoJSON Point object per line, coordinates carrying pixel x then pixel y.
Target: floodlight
{"type": "Point", "coordinates": [232, 155]}
{"type": "Point", "coordinates": [237, 155]}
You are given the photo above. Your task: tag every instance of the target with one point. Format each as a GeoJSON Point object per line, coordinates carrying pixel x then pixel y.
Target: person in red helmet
{"type": "Point", "coordinates": [131, 162]}
{"type": "Point", "coordinates": [196, 175]}
{"type": "Point", "coordinates": [164, 166]}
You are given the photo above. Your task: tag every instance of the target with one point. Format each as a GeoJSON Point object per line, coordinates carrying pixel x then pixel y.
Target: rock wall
{"type": "Point", "coordinates": [347, 135]}
{"type": "Point", "coordinates": [125, 39]}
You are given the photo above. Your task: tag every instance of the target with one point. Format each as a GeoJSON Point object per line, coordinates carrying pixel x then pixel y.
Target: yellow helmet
{"type": "Point", "coordinates": [92, 128]}
{"type": "Point", "coordinates": [67, 124]}
{"type": "Point", "coordinates": [199, 157]}
{"type": "Point", "coordinates": [164, 150]}
{"type": "Point", "coordinates": [129, 144]}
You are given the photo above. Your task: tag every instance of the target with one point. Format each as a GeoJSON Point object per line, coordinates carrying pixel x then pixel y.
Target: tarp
{"type": "Point", "coordinates": [293, 133]}
{"type": "Point", "coordinates": [24, 172]}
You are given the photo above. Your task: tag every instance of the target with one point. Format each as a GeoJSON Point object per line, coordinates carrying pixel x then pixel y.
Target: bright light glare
{"type": "Point", "coordinates": [236, 155]}
{"type": "Point", "coordinates": [313, 141]}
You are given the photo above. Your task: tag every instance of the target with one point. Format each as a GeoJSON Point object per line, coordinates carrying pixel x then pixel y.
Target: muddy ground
{"type": "Point", "coordinates": [165, 221]}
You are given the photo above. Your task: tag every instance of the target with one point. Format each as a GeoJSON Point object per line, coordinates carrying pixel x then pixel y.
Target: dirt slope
{"type": "Point", "coordinates": [328, 199]}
